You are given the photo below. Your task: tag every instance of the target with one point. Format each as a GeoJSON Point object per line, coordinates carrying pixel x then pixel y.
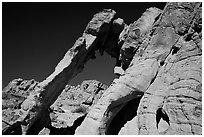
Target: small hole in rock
{"type": "Point", "coordinates": [175, 50]}
{"type": "Point", "coordinates": [162, 120]}
{"type": "Point", "coordinates": [161, 62]}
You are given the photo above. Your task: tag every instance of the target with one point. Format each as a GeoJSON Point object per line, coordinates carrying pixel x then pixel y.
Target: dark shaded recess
{"type": "Point", "coordinates": [81, 109]}
{"type": "Point", "coordinates": [67, 130]}
{"type": "Point", "coordinates": [152, 81]}
{"type": "Point", "coordinates": [127, 113]}
{"type": "Point", "coordinates": [118, 63]}
{"type": "Point", "coordinates": [198, 27]}
{"type": "Point", "coordinates": [14, 129]}
{"type": "Point", "coordinates": [43, 119]}
{"type": "Point", "coordinates": [161, 113]}
{"type": "Point", "coordinates": [188, 37]}
{"type": "Point", "coordinates": [175, 50]}
{"type": "Point", "coordinates": [86, 103]}
{"type": "Point", "coordinates": [162, 62]}
{"type": "Point", "coordinates": [157, 18]}
{"type": "Point", "coordinates": [114, 49]}
{"type": "Point", "coordinates": [127, 59]}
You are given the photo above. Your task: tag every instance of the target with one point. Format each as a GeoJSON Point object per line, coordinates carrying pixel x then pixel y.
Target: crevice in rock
{"type": "Point", "coordinates": [157, 18]}
{"type": "Point", "coordinates": [161, 114]}
{"type": "Point", "coordinates": [87, 103]}
{"type": "Point", "coordinates": [185, 115]}
{"type": "Point", "coordinates": [127, 113]}
{"type": "Point", "coordinates": [175, 50]}
{"type": "Point", "coordinates": [152, 81]}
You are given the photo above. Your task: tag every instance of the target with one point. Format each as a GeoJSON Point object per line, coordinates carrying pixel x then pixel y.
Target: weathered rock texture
{"type": "Point", "coordinates": [158, 91]}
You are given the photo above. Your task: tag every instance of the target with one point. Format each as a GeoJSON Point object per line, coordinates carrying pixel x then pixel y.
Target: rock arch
{"type": "Point", "coordinates": [148, 66]}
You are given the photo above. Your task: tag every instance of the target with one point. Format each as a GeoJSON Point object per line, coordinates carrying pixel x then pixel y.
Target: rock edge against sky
{"type": "Point", "coordinates": [158, 89]}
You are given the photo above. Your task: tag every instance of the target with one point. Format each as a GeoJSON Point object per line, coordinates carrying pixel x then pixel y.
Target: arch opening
{"type": "Point", "coordinates": [100, 69]}
{"type": "Point", "coordinates": [127, 113]}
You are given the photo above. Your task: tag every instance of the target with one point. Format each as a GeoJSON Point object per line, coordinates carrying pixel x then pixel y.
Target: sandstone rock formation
{"type": "Point", "coordinates": [158, 91]}
{"type": "Point", "coordinates": [12, 97]}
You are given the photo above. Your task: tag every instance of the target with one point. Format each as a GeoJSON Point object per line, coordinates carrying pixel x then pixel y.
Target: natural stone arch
{"type": "Point", "coordinates": [155, 55]}
{"type": "Point", "coordinates": [100, 34]}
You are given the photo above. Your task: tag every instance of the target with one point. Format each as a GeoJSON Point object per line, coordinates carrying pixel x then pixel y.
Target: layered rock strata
{"type": "Point", "coordinates": [158, 91]}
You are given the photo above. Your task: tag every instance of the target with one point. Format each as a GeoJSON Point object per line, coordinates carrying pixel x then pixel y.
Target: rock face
{"type": "Point", "coordinates": [74, 103]}
{"type": "Point", "coordinates": [12, 97]}
{"type": "Point", "coordinates": [72, 106]}
{"type": "Point", "coordinates": [65, 114]}
{"type": "Point", "coordinates": [158, 91]}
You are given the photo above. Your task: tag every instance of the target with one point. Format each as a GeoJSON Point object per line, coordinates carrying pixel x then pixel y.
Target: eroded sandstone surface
{"type": "Point", "coordinates": [158, 89]}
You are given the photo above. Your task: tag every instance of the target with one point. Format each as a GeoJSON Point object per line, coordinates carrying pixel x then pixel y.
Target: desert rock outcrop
{"type": "Point", "coordinates": [158, 89]}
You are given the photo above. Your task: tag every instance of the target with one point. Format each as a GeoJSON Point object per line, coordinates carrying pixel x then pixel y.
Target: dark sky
{"type": "Point", "coordinates": [35, 37]}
